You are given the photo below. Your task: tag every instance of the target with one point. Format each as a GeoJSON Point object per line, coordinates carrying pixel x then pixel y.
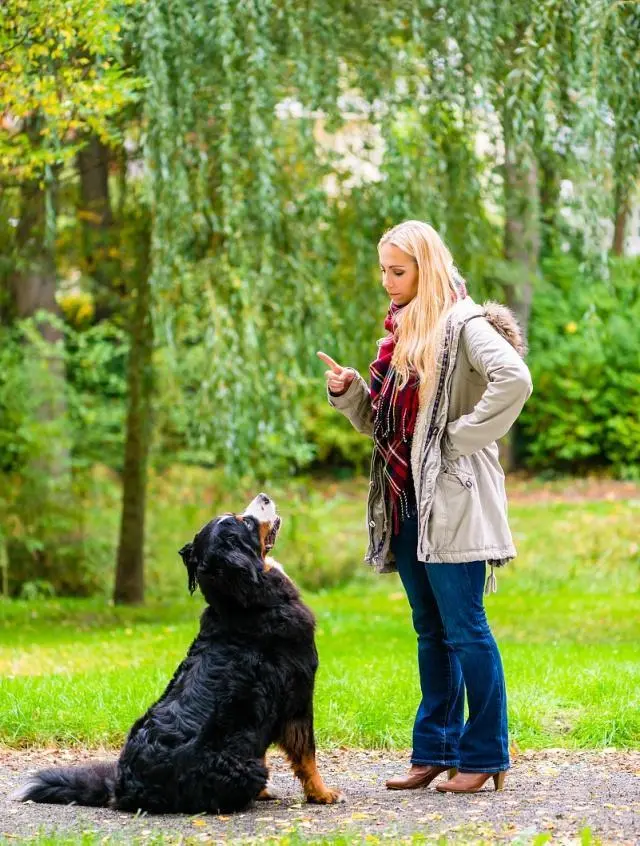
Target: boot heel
{"type": "Point", "coordinates": [498, 780]}
{"type": "Point", "coordinates": [453, 772]}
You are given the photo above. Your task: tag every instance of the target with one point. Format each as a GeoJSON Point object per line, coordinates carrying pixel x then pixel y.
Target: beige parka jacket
{"type": "Point", "coordinates": [482, 384]}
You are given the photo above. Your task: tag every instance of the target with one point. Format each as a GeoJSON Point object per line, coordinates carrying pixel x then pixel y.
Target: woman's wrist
{"type": "Point", "coordinates": [339, 393]}
{"type": "Point", "coordinates": [348, 375]}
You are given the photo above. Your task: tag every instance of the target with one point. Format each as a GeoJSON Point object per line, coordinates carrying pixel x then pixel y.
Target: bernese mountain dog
{"type": "Point", "coordinates": [246, 683]}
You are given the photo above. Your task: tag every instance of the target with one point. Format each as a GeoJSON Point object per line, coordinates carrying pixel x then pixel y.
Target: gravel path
{"type": "Point", "coordinates": [555, 792]}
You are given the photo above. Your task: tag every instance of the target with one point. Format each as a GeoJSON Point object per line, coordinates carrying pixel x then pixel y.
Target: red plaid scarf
{"type": "Point", "coordinates": [394, 417]}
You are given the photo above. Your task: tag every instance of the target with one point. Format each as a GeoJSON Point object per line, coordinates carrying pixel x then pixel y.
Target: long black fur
{"type": "Point", "coordinates": [246, 683]}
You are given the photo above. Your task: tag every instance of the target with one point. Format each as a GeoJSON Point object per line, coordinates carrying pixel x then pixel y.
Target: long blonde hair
{"type": "Point", "coordinates": [420, 323]}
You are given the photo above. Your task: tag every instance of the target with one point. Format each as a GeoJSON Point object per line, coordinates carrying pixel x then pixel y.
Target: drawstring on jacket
{"type": "Point", "coordinates": [492, 582]}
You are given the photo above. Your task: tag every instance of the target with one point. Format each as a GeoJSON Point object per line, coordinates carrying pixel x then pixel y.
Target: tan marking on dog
{"type": "Point", "coordinates": [312, 783]}
{"type": "Point", "coordinates": [265, 528]}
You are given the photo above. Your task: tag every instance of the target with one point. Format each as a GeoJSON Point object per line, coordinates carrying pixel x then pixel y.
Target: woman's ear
{"type": "Point", "coordinates": [189, 559]}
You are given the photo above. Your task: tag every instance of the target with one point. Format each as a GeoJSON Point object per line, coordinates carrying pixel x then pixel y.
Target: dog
{"type": "Point", "coordinates": [246, 683]}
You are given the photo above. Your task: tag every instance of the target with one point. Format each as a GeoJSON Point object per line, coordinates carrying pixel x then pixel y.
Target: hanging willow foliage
{"type": "Point", "coordinates": [237, 206]}
{"type": "Point", "coordinates": [255, 264]}
{"type": "Point", "coordinates": [256, 261]}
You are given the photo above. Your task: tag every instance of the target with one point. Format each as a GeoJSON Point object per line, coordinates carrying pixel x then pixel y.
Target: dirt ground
{"type": "Point", "coordinates": [523, 490]}
{"type": "Point", "coordinates": [556, 792]}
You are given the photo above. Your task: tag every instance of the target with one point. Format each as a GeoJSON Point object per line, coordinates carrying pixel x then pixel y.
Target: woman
{"type": "Point", "coordinates": [448, 381]}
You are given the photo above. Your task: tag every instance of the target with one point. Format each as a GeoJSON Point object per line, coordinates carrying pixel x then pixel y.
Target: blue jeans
{"type": "Point", "coordinates": [456, 650]}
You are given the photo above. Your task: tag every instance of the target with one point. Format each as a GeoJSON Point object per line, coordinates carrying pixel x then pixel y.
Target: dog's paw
{"type": "Point", "coordinates": [266, 795]}
{"type": "Point", "coordinates": [329, 796]}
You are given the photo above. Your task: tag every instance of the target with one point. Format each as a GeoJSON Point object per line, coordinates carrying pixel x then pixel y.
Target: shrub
{"type": "Point", "coordinates": [585, 364]}
{"type": "Point", "coordinates": [336, 443]}
{"type": "Point", "coordinates": [62, 408]}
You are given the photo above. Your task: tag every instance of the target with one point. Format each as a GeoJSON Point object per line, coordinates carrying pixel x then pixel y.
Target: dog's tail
{"type": "Point", "coordinates": [89, 785]}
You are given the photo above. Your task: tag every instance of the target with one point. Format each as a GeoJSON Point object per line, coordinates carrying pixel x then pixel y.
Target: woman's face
{"type": "Point", "coordinates": [399, 274]}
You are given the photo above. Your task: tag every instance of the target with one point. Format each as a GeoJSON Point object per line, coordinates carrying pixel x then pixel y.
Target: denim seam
{"type": "Point", "coordinates": [422, 762]}
{"type": "Point", "coordinates": [504, 741]}
{"type": "Point", "coordinates": [490, 770]}
{"type": "Point", "coordinates": [448, 708]}
{"type": "Point", "coordinates": [500, 741]}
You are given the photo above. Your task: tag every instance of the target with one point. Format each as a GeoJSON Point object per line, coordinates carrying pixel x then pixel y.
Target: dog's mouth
{"type": "Point", "coordinates": [263, 509]}
{"type": "Point", "coordinates": [270, 539]}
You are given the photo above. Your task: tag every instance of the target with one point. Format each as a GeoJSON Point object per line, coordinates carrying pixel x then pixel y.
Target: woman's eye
{"type": "Point", "coordinates": [399, 273]}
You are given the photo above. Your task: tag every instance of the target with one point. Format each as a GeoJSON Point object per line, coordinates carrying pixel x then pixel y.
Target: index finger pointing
{"type": "Point", "coordinates": [330, 362]}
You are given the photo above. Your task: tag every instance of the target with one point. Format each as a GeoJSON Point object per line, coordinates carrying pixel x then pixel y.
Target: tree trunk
{"type": "Point", "coordinates": [549, 198]}
{"type": "Point", "coordinates": [34, 289]}
{"type": "Point", "coordinates": [129, 584]}
{"type": "Point", "coordinates": [521, 243]}
{"type": "Point", "coordinates": [522, 230]}
{"type": "Point", "coordinates": [46, 509]}
{"type": "Point", "coordinates": [101, 259]}
{"type": "Point", "coordinates": [621, 214]}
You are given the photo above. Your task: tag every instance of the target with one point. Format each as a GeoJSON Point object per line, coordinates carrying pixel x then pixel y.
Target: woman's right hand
{"type": "Point", "coordinates": [338, 378]}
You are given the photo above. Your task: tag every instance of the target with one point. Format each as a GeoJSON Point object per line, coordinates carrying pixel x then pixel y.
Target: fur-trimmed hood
{"type": "Point", "coordinates": [505, 322]}
{"type": "Point", "coordinates": [499, 316]}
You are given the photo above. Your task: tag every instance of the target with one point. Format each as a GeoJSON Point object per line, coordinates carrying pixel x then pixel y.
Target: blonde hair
{"type": "Point", "coordinates": [420, 323]}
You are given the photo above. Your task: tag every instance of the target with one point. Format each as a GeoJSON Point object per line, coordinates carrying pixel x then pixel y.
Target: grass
{"type": "Point", "coordinates": [589, 547]}
{"type": "Point", "coordinates": [80, 672]}
{"type": "Point", "coordinates": [567, 618]}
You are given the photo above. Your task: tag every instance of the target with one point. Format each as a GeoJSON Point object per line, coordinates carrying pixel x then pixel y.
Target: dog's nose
{"type": "Point", "coordinates": [264, 499]}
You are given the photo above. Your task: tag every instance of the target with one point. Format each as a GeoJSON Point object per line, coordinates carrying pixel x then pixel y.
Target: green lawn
{"type": "Point", "coordinates": [566, 615]}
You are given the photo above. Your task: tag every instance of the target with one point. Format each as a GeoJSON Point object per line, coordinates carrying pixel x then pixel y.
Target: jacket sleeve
{"type": "Point", "coordinates": [508, 388]}
{"type": "Point", "coordinates": [355, 404]}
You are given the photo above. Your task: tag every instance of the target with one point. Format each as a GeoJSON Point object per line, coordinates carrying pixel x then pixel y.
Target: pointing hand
{"type": "Point", "coordinates": [338, 378]}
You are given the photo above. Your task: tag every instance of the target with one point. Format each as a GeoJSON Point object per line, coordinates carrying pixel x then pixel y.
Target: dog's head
{"type": "Point", "coordinates": [227, 556]}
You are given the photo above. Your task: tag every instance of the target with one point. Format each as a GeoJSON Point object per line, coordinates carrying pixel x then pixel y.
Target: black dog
{"type": "Point", "coordinates": [246, 683]}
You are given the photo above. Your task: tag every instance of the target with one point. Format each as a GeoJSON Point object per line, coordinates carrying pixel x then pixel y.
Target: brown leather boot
{"type": "Point", "coordinates": [471, 782]}
{"type": "Point", "coordinates": [418, 776]}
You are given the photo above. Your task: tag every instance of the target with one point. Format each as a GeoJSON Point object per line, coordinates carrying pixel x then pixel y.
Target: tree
{"type": "Point", "coordinates": [616, 68]}
{"type": "Point", "coordinates": [129, 581]}
{"type": "Point", "coordinates": [59, 82]}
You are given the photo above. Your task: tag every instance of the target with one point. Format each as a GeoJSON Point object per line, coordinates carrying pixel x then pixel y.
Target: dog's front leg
{"type": "Point", "coordinates": [266, 794]}
{"type": "Point", "coordinates": [298, 743]}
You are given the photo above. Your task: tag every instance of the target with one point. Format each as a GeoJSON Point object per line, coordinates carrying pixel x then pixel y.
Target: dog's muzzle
{"type": "Point", "coordinates": [263, 508]}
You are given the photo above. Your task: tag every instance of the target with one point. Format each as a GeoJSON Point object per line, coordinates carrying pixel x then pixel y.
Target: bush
{"type": "Point", "coordinates": [62, 408]}
{"type": "Point", "coordinates": [336, 443]}
{"type": "Point", "coordinates": [585, 363]}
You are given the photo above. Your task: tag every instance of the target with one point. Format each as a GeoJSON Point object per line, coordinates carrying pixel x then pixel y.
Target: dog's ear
{"type": "Point", "coordinates": [189, 559]}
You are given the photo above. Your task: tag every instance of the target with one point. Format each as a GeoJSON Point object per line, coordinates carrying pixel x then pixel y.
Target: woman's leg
{"type": "Point", "coordinates": [458, 590]}
{"type": "Point", "coordinates": [440, 715]}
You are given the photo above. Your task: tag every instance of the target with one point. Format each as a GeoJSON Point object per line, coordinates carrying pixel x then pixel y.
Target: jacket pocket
{"type": "Point", "coordinates": [452, 500]}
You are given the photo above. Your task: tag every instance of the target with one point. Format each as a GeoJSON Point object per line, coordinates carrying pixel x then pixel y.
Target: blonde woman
{"type": "Point", "coordinates": [448, 381]}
